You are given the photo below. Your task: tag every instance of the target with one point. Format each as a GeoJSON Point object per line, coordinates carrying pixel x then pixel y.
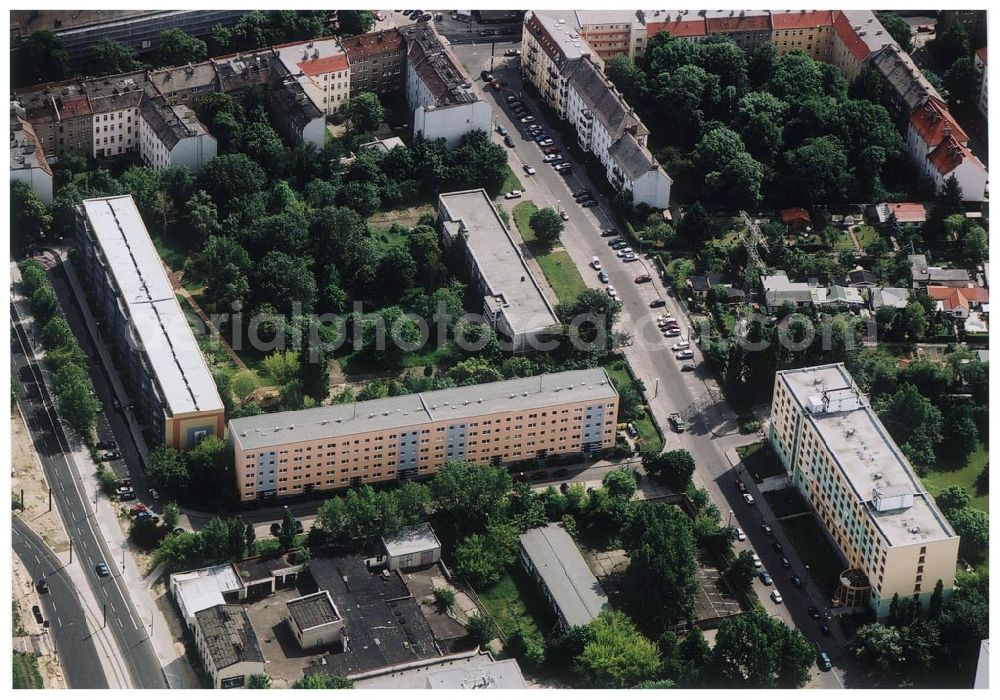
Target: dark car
{"type": "Point", "coordinates": [43, 586]}
{"type": "Point", "coordinates": [299, 527]}
{"type": "Point", "coordinates": [765, 578]}
{"type": "Point", "coordinates": [588, 203]}
{"type": "Point", "coordinates": [796, 581]}
{"type": "Point", "coordinates": [102, 569]}
{"type": "Point", "coordinates": [106, 445]}
{"type": "Point", "coordinates": [425, 18]}
{"type": "Point", "coordinates": [486, 75]}
{"type": "Point", "coordinates": [823, 661]}
{"type": "Point", "coordinates": [766, 529]}
{"type": "Point", "coordinates": [117, 405]}
{"type": "Point", "coordinates": [608, 231]}
{"type": "Point", "coordinates": [275, 529]}
{"type": "Point", "coordinates": [741, 486]}
{"type": "Point", "coordinates": [688, 367]}
{"type": "Point", "coordinates": [550, 150]}
{"type": "Point", "coordinates": [582, 192]}
{"type": "Point", "coordinates": [778, 548]}
{"type": "Point", "coordinates": [813, 612]}
{"type": "Point", "coordinates": [37, 612]}
{"type": "Point", "coordinates": [508, 140]}
{"type": "Point", "coordinates": [825, 629]}
{"type": "Point", "coordinates": [657, 304]}
{"type": "Point", "coordinates": [111, 456]}
{"type": "Point", "coordinates": [785, 564]}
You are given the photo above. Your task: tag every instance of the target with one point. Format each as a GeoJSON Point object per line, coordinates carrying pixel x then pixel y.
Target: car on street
{"type": "Point", "coordinates": [765, 578]}
{"type": "Point", "coordinates": [657, 304]}
{"type": "Point", "coordinates": [622, 252]}
{"type": "Point", "coordinates": [37, 612]}
{"type": "Point", "coordinates": [813, 612]}
{"type": "Point", "coordinates": [547, 142]}
{"type": "Point", "coordinates": [776, 597]}
{"type": "Point", "coordinates": [684, 345]}
{"type": "Point", "coordinates": [530, 169]}
{"type": "Point", "coordinates": [611, 291]}
{"type": "Point", "coordinates": [125, 494]}
{"type": "Point", "coordinates": [552, 158]}
{"type": "Point", "coordinates": [785, 564]}
{"type": "Point", "coordinates": [527, 120]}
{"type": "Point", "coordinates": [587, 203]}
{"type": "Point", "coordinates": [778, 547]}
{"type": "Point", "coordinates": [117, 405]}
{"type": "Point", "coordinates": [501, 129]}
{"type": "Point", "coordinates": [106, 445]}
{"type": "Point", "coordinates": [684, 355]}
{"type": "Point", "coordinates": [508, 140]}
{"type": "Point", "coordinates": [825, 629]}
{"type": "Point", "coordinates": [595, 263]}
{"type": "Point", "coordinates": [137, 508]}
{"type": "Point", "coordinates": [513, 194]}
{"type": "Point", "coordinates": [564, 169]}
{"type": "Point", "coordinates": [43, 586]}
{"type": "Point", "coordinates": [512, 52]}
{"type": "Point", "coordinates": [424, 18]}
{"type": "Point", "coordinates": [564, 215]}
{"type": "Point", "coordinates": [143, 515]}
{"type": "Point", "coordinates": [154, 494]}
{"type": "Point", "coordinates": [605, 233]}
{"type": "Point", "coordinates": [756, 560]}
{"type": "Point", "coordinates": [766, 529]}
{"type": "Point", "coordinates": [583, 192]}
{"type": "Point", "coordinates": [740, 535]}
{"type": "Point", "coordinates": [797, 582]}
{"type": "Point", "coordinates": [630, 257]}
{"type": "Point", "coordinates": [688, 367]}
{"type": "Point", "coordinates": [823, 661]}
{"type": "Point", "coordinates": [642, 279]}
{"type": "Point", "coordinates": [603, 276]}
{"type": "Point", "coordinates": [672, 332]}
{"type": "Point", "coordinates": [102, 569]}
{"type": "Point", "coordinates": [741, 486]}
{"type": "Point", "coordinates": [631, 430]}
{"type": "Point", "coordinates": [486, 75]}
{"type": "Point", "coordinates": [551, 150]}
{"type": "Point", "coordinates": [749, 499]}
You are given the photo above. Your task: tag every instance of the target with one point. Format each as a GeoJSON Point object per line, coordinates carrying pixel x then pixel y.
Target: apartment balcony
{"type": "Point", "coordinates": [587, 116]}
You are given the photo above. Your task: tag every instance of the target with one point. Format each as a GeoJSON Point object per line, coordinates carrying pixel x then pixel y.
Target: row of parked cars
{"type": "Point", "coordinates": [418, 15]}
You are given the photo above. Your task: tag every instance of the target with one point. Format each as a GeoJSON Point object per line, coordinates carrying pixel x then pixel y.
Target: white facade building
{"type": "Point", "coordinates": [324, 68]}
{"type": "Point", "coordinates": [27, 160]}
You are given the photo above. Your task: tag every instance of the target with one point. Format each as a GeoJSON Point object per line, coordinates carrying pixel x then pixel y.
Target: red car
{"type": "Point", "coordinates": [643, 278]}
{"type": "Point", "coordinates": [137, 508]}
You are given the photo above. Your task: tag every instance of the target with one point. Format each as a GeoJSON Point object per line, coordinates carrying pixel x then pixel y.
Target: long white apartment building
{"type": "Point", "coordinates": [874, 508]}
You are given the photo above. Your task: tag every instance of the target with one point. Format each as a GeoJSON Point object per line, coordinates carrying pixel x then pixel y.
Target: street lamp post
{"type": "Point", "coordinates": [729, 522]}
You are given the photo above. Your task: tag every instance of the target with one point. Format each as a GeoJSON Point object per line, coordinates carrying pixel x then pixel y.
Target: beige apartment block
{"type": "Point", "coordinates": [862, 488]}
{"type": "Point", "coordinates": [402, 437]}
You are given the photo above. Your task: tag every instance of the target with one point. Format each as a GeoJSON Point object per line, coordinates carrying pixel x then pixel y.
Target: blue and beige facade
{"type": "Point", "coordinates": [875, 510]}
{"type": "Point", "coordinates": [173, 391]}
{"type": "Point", "coordinates": [404, 437]}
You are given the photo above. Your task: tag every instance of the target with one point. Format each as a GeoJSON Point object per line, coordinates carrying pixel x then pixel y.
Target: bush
{"type": "Point", "coordinates": [445, 597]}
{"type": "Point", "coordinates": [481, 629]}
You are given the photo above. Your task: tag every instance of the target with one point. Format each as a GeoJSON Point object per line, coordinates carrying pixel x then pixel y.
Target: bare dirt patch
{"type": "Point", "coordinates": [26, 473]}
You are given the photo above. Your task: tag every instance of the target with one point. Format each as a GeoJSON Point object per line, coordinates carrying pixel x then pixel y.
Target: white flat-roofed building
{"type": "Point", "coordinates": [402, 437]}
{"type": "Point", "coordinates": [412, 546]}
{"type": "Point", "coordinates": [885, 524]}
{"type": "Point", "coordinates": [475, 670]}
{"type": "Point", "coordinates": [553, 559]}
{"type": "Point", "coordinates": [173, 389]}
{"type": "Point", "coordinates": [513, 301]}
{"type": "Point", "coordinates": [201, 589]}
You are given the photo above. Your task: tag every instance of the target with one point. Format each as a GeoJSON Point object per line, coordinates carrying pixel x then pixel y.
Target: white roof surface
{"type": "Point", "coordinates": [204, 588]}
{"type": "Point", "coordinates": [411, 540]}
{"type": "Point", "coordinates": [158, 323]}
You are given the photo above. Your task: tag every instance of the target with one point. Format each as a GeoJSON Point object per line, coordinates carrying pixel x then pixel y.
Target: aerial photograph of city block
{"type": "Point", "coordinates": [499, 349]}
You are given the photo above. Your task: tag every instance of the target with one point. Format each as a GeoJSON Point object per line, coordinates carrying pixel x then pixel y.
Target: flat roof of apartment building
{"type": "Point", "coordinates": [575, 590]}
{"type": "Point", "coordinates": [499, 258]}
{"type": "Point", "coordinates": [324, 422]}
{"type": "Point", "coordinates": [559, 33]}
{"type": "Point", "coordinates": [465, 671]}
{"type": "Point", "coordinates": [866, 454]}
{"type": "Point", "coordinates": [160, 326]}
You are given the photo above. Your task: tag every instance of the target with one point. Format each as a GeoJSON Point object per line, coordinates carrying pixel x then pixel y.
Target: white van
{"type": "Point", "coordinates": [595, 263]}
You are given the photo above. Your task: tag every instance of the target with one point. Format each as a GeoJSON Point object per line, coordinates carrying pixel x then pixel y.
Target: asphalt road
{"type": "Point", "coordinates": [712, 428]}
{"type": "Point", "coordinates": [61, 606]}
{"type": "Point", "coordinates": [77, 514]}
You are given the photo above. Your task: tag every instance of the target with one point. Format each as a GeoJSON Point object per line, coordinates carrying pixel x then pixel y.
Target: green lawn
{"type": "Point", "coordinates": [649, 436]}
{"type": "Point", "coordinates": [759, 459]}
{"type": "Point", "coordinates": [25, 669]}
{"type": "Point", "coordinates": [510, 180]}
{"type": "Point", "coordinates": [516, 602]}
{"type": "Point", "coordinates": [559, 269]}
{"type": "Point", "coordinates": [866, 236]}
{"type": "Point", "coordinates": [809, 541]}
{"type": "Point", "coordinates": [937, 480]}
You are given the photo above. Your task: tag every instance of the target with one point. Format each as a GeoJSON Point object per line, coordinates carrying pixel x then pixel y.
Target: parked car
{"type": "Point", "coordinates": [825, 629]}
{"type": "Point", "coordinates": [583, 192]}
{"type": "Point", "coordinates": [797, 582]}
{"type": "Point", "coordinates": [564, 215]}
{"type": "Point", "coordinates": [102, 569]}
{"type": "Point", "coordinates": [530, 169]}
{"type": "Point", "coordinates": [143, 515]}
{"type": "Point", "coordinates": [778, 547]}
{"type": "Point", "coordinates": [527, 120]}
{"type": "Point", "coordinates": [823, 661]}
{"type": "Point", "coordinates": [501, 129]}
{"type": "Point", "coordinates": [43, 585]}
{"type": "Point", "coordinates": [813, 612]}
{"type": "Point", "coordinates": [587, 203]}
{"type": "Point", "coordinates": [688, 367]}
{"type": "Point", "coordinates": [657, 304]}
{"type": "Point", "coordinates": [508, 140]}
{"type": "Point", "coordinates": [642, 279]}
{"type": "Point", "coordinates": [741, 486]}
{"type": "Point", "coordinates": [178, 531]}
{"type": "Point", "coordinates": [137, 508]}
{"type": "Point", "coordinates": [622, 252]}
{"type": "Point", "coordinates": [424, 18]}
{"type": "Point", "coordinates": [513, 194]}
{"type": "Point", "coordinates": [608, 231]}
{"type": "Point", "coordinates": [154, 494]}
{"type": "Point", "coordinates": [106, 445]}
{"type": "Point", "coordinates": [684, 345]}
{"type": "Point", "coordinates": [486, 75]}
{"type": "Point", "coordinates": [603, 276]}
{"type": "Point", "coordinates": [749, 499]}
{"type": "Point", "coordinates": [546, 142]}
{"type": "Point", "coordinates": [766, 529]}
{"type": "Point", "coordinates": [552, 158]}
{"type": "Point", "coordinates": [512, 52]}
{"type": "Point", "coordinates": [595, 263]}
{"type": "Point", "coordinates": [631, 430]}
{"type": "Point", "coordinates": [125, 494]}
{"type": "Point", "coordinates": [756, 560]}
{"type": "Point", "coordinates": [776, 597]}
{"type": "Point", "coordinates": [765, 578]}
{"type": "Point", "coordinates": [672, 332]}
{"type": "Point", "coordinates": [37, 612]}
{"type": "Point", "coordinates": [684, 355]}
{"type": "Point", "coordinates": [677, 423]}
{"type": "Point", "coordinates": [551, 150]}
{"type": "Point", "coordinates": [740, 535]}
{"type": "Point", "coordinates": [785, 564]}
{"type": "Point", "coordinates": [117, 405]}
{"type": "Point", "coordinates": [563, 167]}
{"type": "Point", "coordinates": [612, 292]}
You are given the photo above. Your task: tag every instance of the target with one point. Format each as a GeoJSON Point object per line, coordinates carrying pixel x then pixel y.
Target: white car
{"type": "Point", "coordinates": [740, 535]}
{"type": "Point", "coordinates": [776, 597]}
{"type": "Point", "coordinates": [545, 143]}
{"type": "Point", "coordinates": [527, 120]}
{"type": "Point", "coordinates": [624, 251]}
{"type": "Point", "coordinates": [530, 169]}
{"type": "Point", "coordinates": [564, 214]}
{"type": "Point", "coordinates": [513, 194]}
{"type": "Point", "coordinates": [596, 263]}
{"type": "Point", "coordinates": [684, 355]}
{"type": "Point", "coordinates": [756, 561]}
{"type": "Point", "coordinates": [611, 292]}
{"type": "Point", "coordinates": [681, 346]}
{"type": "Point", "coordinates": [672, 333]}
{"type": "Point", "coordinates": [749, 499]}
{"type": "Point", "coordinates": [551, 157]}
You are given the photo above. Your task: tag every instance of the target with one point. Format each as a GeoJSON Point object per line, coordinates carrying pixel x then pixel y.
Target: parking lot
{"type": "Point", "coordinates": [713, 600]}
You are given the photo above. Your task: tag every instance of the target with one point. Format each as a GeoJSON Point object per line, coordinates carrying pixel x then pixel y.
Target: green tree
{"type": "Point", "coordinates": [224, 265]}
{"type": "Point", "coordinates": [620, 483]}
{"type": "Point", "coordinates": [43, 59]}
{"type": "Point", "coordinates": [547, 225]}
{"type": "Point", "coordinates": [286, 536]}
{"type": "Point", "coordinates": [177, 48]}
{"type": "Point", "coordinates": [80, 408]}
{"type": "Point", "coordinates": [952, 498]}
{"type": "Point", "coordinates": [913, 421]}
{"type": "Point", "coordinates": [915, 321]}
{"type": "Point", "coordinates": [959, 434]}
{"type": "Point", "coordinates": [261, 142]}
{"type": "Point", "coordinates": [481, 629]}
{"type": "Point", "coordinates": [228, 177]}
{"type": "Point", "coordinates": [616, 655]}
{"type": "Point", "coordinates": [975, 245]}
{"type": "Point", "coordinates": [365, 112]}
{"type": "Point", "coordinates": [675, 467]}
{"type": "Point", "coordinates": [30, 221]}
{"type": "Point", "coordinates": [314, 366]}
{"type": "Point", "coordinates": [56, 334]}
{"type": "Point", "coordinates": [202, 216]}
{"type": "Point", "coordinates": [285, 282]}
{"type": "Point", "coordinates": [741, 571]}
{"type": "Point", "coordinates": [696, 226]}
{"type": "Point", "coordinates": [482, 559]}
{"type": "Point", "coordinates": [445, 598]}
{"type": "Point", "coordinates": [259, 681]}
{"type": "Point", "coordinates": [355, 21]}
{"type": "Point", "coordinates": [108, 57]}
{"type": "Point", "coordinates": [759, 651]}
{"type": "Point", "coordinates": [322, 681]}
{"type": "Point", "coordinates": [878, 644]}
{"type": "Point", "coordinates": [467, 496]}
{"type": "Point", "coordinates": [171, 515]}
{"type": "Point", "coordinates": [168, 469]}
{"type": "Point", "coordinates": [973, 526]}
{"type": "Point", "coordinates": [629, 78]}
{"type": "Point", "coordinates": [898, 28]}
{"type": "Point", "coordinates": [818, 171]}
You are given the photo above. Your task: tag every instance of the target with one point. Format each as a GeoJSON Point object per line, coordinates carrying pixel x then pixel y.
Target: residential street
{"type": "Point", "coordinates": [712, 427]}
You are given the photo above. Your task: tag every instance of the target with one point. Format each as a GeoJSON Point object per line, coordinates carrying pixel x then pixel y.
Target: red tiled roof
{"type": "Point", "coordinates": [324, 65]}
{"type": "Point", "coordinates": [948, 155]}
{"type": "Point", "coordinates": [801, 19]}
{"type": "Point", "coordinates": [363, 46]}
{"type": "Point", "coordinates": [934, 123]}
{"type": "Point", "coordinates": [955, 297]}
{"type": "Point", "coordinates": [855, 44]}
{"type": "Point", "coordinates": [691, 27]}
{"type": "Point", "coordinates": [982, 54]}
{"type": "Point", "coordinates": [790, 216]}
{"type": "Point", "coordinates": [75, 106]}
{"type": "Point", "coordinates": [754, 23]}
{"type": "Point", "coordinates": [908, 212]}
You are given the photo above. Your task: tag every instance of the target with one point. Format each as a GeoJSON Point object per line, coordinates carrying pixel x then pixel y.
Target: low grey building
{"type": "Point", "coordinates": [412, 546]}
{"type": "Point", "coordinates": [896, 297]}
{"type": "Point", "coordinates": [315, 620]}
{"type": "Point", "coordinates": [554, 561]}
{"type": "Point", "coordinates": [228, 646]}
